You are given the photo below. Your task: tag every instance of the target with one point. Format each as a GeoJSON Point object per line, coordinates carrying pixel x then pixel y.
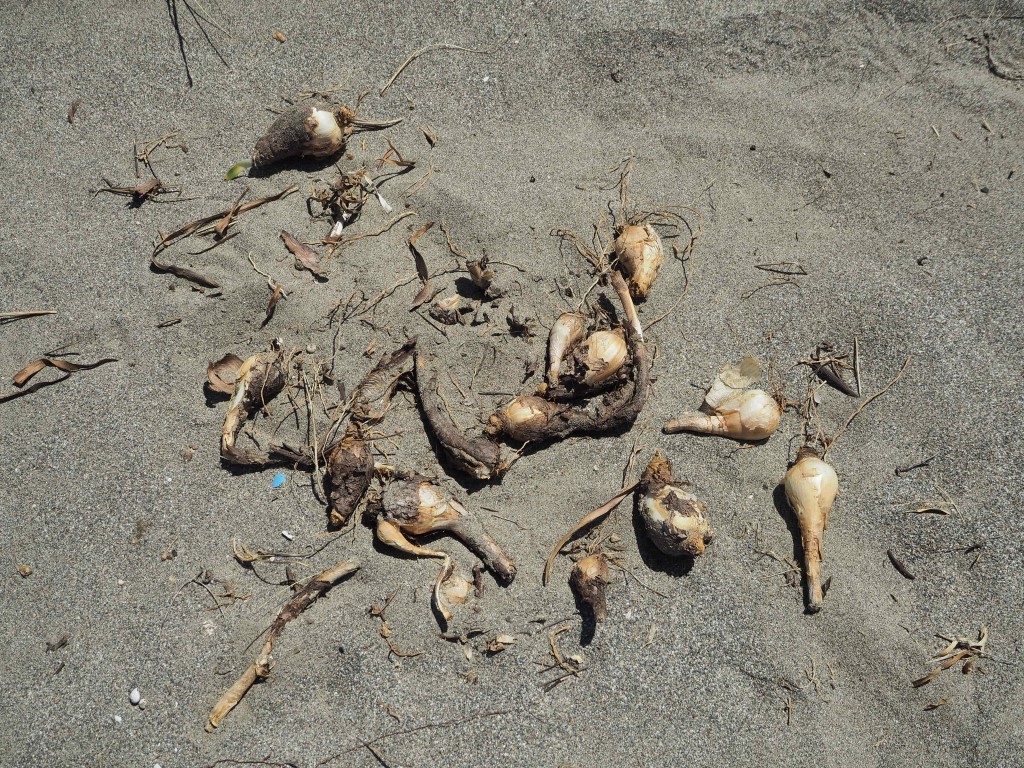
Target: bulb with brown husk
{"type": "Point", "coordinates": [307, 130]}
{"type": "Point", "coordinates": [811, 487]}
{"type": "Point", "coordinates": [674, 518]}
{"type": "Point", "coordinates": [639, 254]}
{"type": "Point", "coordinates": [348, 475]}
{"type": "Point", "coordinates": [589, 578]}
{"type": "Point", "coordinates": [413, 505]}
{"type": "Point", "coordinates": [731, 409]}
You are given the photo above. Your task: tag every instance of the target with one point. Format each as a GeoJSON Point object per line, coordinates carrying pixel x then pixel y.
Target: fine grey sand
{"type": "Point", "coordinates": [878, 145]}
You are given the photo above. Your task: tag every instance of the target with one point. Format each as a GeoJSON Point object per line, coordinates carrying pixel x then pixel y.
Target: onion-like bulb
{"type": "Point", "coordinates": [601, 356]}
{"type": "Point", "coordinates": [811, 487]}
{"type": "Point", "coordinates": [566, 333]}
{"type": "Point", "coordinates": [640, 254]}
{"type": "Point", "coordinates": [674, 518]}
{"type": "Point", "coordinates": [732, 410]}
{"type": "Point", "coordinates": [417, 506]}
{"type": "Point", "coordinates": [523, 418]}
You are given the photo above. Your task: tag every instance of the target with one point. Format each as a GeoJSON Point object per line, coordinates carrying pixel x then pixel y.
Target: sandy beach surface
{"type": "Point", "coordinates": [874, 147]}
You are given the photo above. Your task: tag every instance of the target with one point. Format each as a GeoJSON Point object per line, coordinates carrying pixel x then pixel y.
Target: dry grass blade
{"type": "Point", "coordinates": [421, 265]}
{"type": "Point", "coordinates": [22, 377]}
{"type": "Point", "coordinates": [6, 316]}
{"type": "Point", "coordinates": [260, 668]}
{"type": "Point", "coordinates": [427, 49]}
{"type": "Point", "coordinates": [193, 226]}
{"type": "Point", "coordinates": [588, 519]}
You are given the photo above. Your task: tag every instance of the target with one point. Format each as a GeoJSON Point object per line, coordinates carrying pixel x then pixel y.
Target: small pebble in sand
{"type": "Point", "coordinates": [135, 697]}
{"type": "Point", "coordinates": [117, 718]}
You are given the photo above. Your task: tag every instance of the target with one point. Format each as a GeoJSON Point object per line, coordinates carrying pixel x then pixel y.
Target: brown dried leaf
{"type": "Point", "coordinates": [272, 304]}
{"type": "Point", "coordinates": [422, 296]}
{"type": "Point", "coordinates": [421, 265]}
{"type": "Point", "coordinates": [304, 255]}
{"type": "Point", "coordinates": [220, 375]}
{"type": "Point", "coordinates": [22, 377]}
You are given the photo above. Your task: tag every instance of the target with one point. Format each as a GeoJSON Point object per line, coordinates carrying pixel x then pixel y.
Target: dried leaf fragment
{"type": "Point", "coordinates": [22, 377]}
{"type": "Point", "coordinates": [221, 374]}
{"type": "Point", "coordinates": [305, 257]}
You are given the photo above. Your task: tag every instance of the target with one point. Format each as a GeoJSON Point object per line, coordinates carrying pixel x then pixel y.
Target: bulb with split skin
{"type": "Point", "coordinates": [811, 487]}
{"type": "Point", "coordinates": [731, 409]}
{"type": "Point", "coordinates": [640, 254]}
{"type": "Point", "coordinates": [600, 356]}
{"type": "Point", "coordinates": [674, 518]}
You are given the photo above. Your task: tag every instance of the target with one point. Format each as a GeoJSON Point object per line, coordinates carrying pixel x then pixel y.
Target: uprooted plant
{"type": "Point", "coordinates": [412, 505]}
{"type": "Point", "coordinates": [349, 462]}
{"type": "Point", "coordinates": [307, 130]}
{"type": "Point", "coordinates": [732, 408]}
{"type": "Point", "coordinates": [811, 487]}
{"type": "Point", "coordinates": [536, 418]}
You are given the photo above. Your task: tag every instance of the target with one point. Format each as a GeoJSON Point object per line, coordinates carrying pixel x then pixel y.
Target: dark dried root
{"type": "Point", "coordinates": [478, 457]}
{"type": "Point", "coordinates": [349, 471]}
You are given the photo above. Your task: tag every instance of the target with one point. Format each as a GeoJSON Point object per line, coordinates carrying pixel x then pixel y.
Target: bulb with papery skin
{"type": "Point", "coordinates": [732, 410]}
{"type": "Point", "coordinates": [566, 333]}
{"type": "Point", "coordinates": [811, 486]}
{"type": "Point", "coordinates": [601, 356]}
{"type": "Point", "coordinates": [674, 518]}
{"type": "Point", "coordinates": [640, 254]}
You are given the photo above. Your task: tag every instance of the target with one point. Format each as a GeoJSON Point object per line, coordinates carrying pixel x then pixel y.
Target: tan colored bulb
{"type": "Point", "coordinates": [732, 410]}
{"type": "Point", "coordinates": [601, 356]}
{"type": "Point", "coordinates": [811, 487]}
{"type": "Point", "coordinates": [416, 506]}
{"type": "Point", "coordinates": [589, 578]}
{"type": "Point", "coordinates": [566, 333]}
{"type": "Point", "coordinates": [674, 518]}
{"type": "Point", "coordinates": [521, 417]}
{"type": "Point", "coordinates": [640, 254]}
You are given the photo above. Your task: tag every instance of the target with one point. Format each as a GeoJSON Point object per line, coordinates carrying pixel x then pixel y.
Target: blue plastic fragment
{"type": "Point", "coordinates": [279, 479]}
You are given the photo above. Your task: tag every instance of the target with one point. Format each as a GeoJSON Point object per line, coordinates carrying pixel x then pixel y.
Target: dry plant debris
{"type": "Point", "coordinates": [958, 649]}
{"type": "Point", "coordinates": [206, 225]}
{"type": "Point", "coordinates": [26, 374]}
{"type": "Point", "coordinates": [412, 504]}
{"type": "Point", "coordinates": [139, 194]}
{"type": "Point", "coordinates": [305, 257]}
{"type": "Point", "coordinates": [260, 668]}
